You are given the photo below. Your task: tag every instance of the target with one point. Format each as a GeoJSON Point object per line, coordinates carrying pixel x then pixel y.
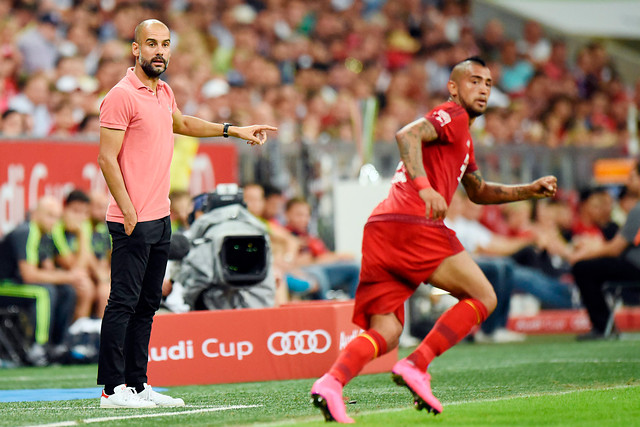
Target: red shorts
{"type": "Point", "coordinates": [398, 253]}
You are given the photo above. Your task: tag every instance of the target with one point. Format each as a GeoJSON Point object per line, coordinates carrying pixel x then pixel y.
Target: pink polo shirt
{"type": "Point", "coordinates": [147, 148]}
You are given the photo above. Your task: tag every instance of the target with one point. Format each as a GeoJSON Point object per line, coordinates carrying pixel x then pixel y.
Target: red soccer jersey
{"type": "Point", "coordinates": [445, 160]}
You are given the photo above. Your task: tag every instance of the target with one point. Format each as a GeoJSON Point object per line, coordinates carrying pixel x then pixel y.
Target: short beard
{"type": "Point", "coordinates": [148, 68]}
{"type": "Point", "coordinates": [473, 113]}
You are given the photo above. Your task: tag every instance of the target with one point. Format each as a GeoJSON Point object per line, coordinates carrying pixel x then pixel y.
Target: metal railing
{"type": "Point", "coordinates": [307, 165]}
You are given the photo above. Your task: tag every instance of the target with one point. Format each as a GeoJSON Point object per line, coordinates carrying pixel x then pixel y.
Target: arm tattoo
{"type": "Point", "coordinates": [483, 192]}
{"type": "Point", "coordinates": [410, 139]}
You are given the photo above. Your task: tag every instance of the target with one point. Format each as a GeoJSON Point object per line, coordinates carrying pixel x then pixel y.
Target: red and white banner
{"type": "Point", "coordinates": [229, 346]}
{"type": "Point", "coordinates": [31, 169]}
{"type": "Point", "coordinates": [570, 321]}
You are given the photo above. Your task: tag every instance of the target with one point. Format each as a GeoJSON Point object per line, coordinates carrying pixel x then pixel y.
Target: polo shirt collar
{"type": "Point", "coordinates": [137, 83]}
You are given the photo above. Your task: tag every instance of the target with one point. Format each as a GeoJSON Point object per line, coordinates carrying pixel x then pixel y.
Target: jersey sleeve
{"type": "Point", "coordinates": [471, 166]}
{"type": "Point", "coordinates": [116, 110]}
{"type": "Point", "coordinates": [448, 122]}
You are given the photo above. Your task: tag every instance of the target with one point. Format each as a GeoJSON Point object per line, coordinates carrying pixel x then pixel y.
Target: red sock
{"type": "Point", "coordinates": [450, 328]}
{"type": "Point", "coordinates": [360, 351]}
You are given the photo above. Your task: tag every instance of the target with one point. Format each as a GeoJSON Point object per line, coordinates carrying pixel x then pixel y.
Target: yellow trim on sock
{"type": "Point", "coordinates": [476, 310]}
{"type": "Point", "coordinates": [375, 344]}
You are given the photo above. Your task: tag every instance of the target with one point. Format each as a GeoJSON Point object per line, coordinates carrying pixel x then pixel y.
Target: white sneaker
{"type": "Point", "coordinates": [499, 336]}
{"type": "Point", "coordinates": [159, 399]}
{"type": "Point", "coordinates": [482, 338]}
{"type": "Point", "coordinates": [503, 335]}
{"type": "Point", "coordinates": [124, 397]}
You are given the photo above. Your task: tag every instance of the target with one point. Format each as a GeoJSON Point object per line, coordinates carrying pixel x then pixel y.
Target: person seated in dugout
{"type": "Point", "coordinates": [72, 237]}
{"type": "Point", "coordinates": [30, 280]}
{"type": "Point", "coordinates": [100, 238]}
{"type": "Point", "coordinates": [331, 275]}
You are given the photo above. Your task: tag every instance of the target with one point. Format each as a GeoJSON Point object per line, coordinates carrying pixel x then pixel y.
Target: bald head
{"type": "Point", "coordinates": [152, 48]}
{"type": "Point", "coordinates": [48, 211]}
{"type": "Point", "coordinates": [99, 201]}
{"type": "Point", "coordinates": [145, 25]}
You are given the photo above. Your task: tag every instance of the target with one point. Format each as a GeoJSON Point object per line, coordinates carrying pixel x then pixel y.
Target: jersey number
{"type": "Point", "coordinates": [442, 117]}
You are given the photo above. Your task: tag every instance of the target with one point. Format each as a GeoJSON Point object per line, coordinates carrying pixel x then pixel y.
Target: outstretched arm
{"type": "Point", "coordinates": [482, 192]}
{"type": "Point", "coordinates": [410, 139]}
{"type": "Point", "coordinates": [193, 126]}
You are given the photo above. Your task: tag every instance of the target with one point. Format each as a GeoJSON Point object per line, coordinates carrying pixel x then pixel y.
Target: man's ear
{"type": "Point", "coordinates": [453, 88]}
{"type": "Point", "coordinates": [135, 49]}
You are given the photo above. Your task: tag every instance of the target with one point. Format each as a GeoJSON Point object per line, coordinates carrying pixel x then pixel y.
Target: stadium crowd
{"type": "Point", "coordinates": [305, 66]}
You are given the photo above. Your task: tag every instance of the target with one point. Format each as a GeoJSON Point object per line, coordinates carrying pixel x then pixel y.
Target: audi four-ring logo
{"type": "Point", "coordinates": [299, 342]}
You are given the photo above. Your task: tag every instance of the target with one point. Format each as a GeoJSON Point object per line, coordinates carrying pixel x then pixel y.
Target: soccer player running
{"type": "Point", "coordinates": [137, 120]}
{"type": "Point", "coordinates": [406, 243]}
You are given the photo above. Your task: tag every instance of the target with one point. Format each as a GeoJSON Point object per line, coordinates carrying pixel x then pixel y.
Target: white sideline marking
{"type": "Point", "coordinates": [306, 420]}
{"type": "Point", "coordinates": [160, 414]}
{"type": "Point", "coordinates": [53, 407]}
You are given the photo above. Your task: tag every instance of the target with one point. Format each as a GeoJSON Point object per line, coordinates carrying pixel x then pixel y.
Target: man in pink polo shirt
{"type": "Point", "coordinates": [138, 118]}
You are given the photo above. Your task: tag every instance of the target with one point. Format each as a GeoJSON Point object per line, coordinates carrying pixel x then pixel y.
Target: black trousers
{"type": "Point", "coordinates": [590, 275]}
{"type": "Point", "coordinates": [138, 264]}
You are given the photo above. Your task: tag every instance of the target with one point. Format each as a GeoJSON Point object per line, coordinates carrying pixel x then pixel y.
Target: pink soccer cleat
{"type": "Point", "coordinates": [418, 383]}
{"type": "Point", "coordinates": [326, 394]}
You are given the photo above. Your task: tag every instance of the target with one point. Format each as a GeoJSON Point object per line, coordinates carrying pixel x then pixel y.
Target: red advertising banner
{"type": "Point", "coordinates": [229, 346]}
{"type": "Point", "coordinates": [31, 169]}
{"type": "Point", "coordinates": [571, 321]}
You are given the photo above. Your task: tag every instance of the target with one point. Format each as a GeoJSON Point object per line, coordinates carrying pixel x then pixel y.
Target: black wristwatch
{"type": "Point", "coordinates": [225, 130]}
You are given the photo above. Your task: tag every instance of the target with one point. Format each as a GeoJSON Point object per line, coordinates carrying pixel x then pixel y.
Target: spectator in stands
{"type": "Point", "coordinates": [89, 126]}
{"type": "Point", "coordinates": [181, 208]}
{"type": "Point", "coordinates": [626, 201]}
{"type": "Point", "coordinates": [593, 219]}
{"type": "Point", "coordinates": [9, 65]}
{"type": "Point", "coordinates": [335, 274]}
{"type": "Point", "coordinates": [63, 124]}
{"type": "Point", "coordinates": [39, 45]}
{"type": "Point", "coordinates": [491, 40]}
{"type": "Point", "coordinates": [12, 124]}
{"type": "Point", "coordinates": [557, 67]}
{"type": "Point", "coordinates": [33, 101]}
{"type": "Point", "coordinates": [72, 237]}
{"type": "Point", "coordinates": [516, 72]}
{"type": "Point", "coordinates": [31, 280]}
{"type": "Point", "coordinates": [533, 45]}
{"type": "Point", "coordinates": [617, 259]}
{"type": "Point", "coordinates": [274, 202]}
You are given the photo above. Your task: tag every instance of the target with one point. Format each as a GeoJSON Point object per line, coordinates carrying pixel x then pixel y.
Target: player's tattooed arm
{"type": "Point", "coordinates": [410, 139]}
{"type": "Point", "coordinates": [483, 192]}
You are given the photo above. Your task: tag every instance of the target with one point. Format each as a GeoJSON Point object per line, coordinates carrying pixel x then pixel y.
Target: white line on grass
{"type": "Point", "coordinates": [160, 414]}
{"type": "Point", "coordinates": [53, 407]}
{"type": "Point", "coordinates": [458, 402]}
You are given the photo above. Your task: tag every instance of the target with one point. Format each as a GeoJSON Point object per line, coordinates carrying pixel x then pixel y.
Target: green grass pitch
{"type": "Point", "coordinates": [546, 381]}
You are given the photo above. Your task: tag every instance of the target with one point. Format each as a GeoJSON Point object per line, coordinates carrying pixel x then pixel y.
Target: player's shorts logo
{"type": "Point", "coordinates": [299, 342]}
